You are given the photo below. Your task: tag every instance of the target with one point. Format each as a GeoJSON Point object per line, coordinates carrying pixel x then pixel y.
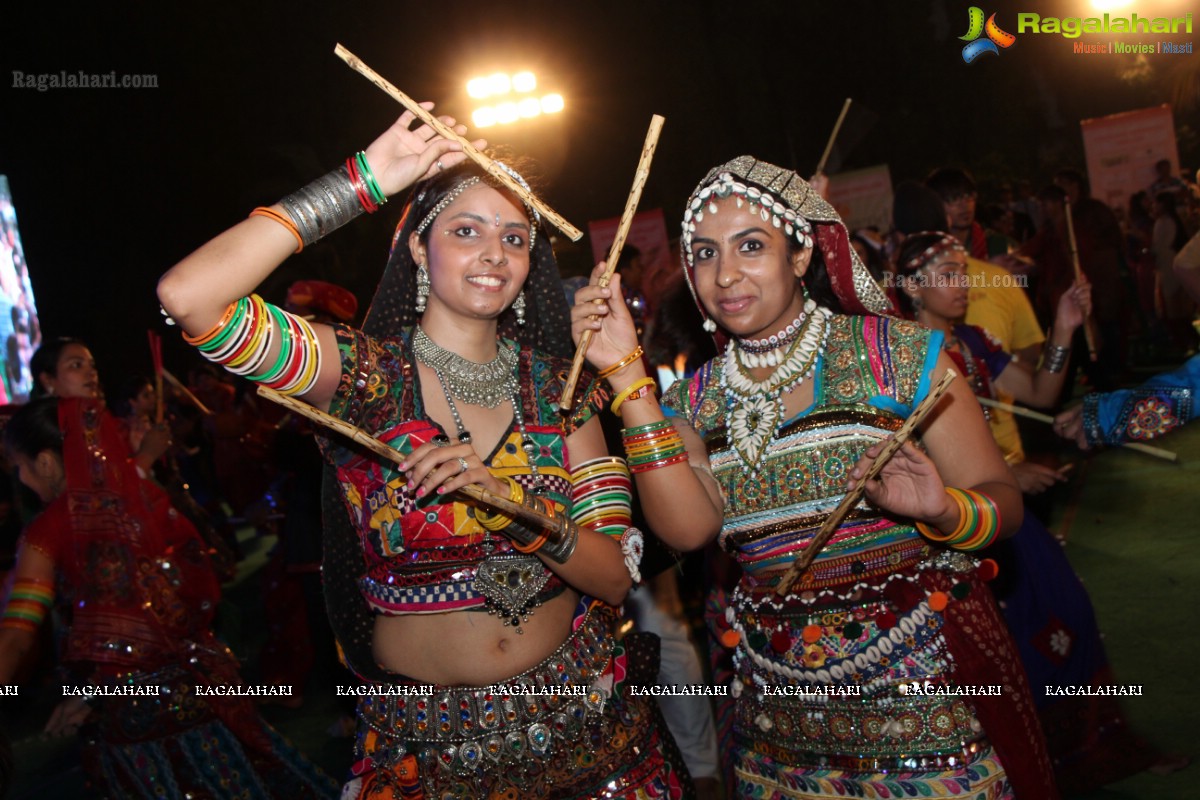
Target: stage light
{"type": "Point", "coordinates": [529, 107]}
{"type": "Point", "coordinates": [506, 113]}
{"type": "Point", "coordinates": [552, 104]}
{"type": "Point", "coordinates": [524, 82]}
{"type": "Point", "coordinates": [484, 117]}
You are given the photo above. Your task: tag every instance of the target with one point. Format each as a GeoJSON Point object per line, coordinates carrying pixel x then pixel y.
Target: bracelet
{"type": "Point", "coordinates": [632, 392]}
{"type": "Point", "coordinates": [1055, 358]}
{"type": "Point", "coordinates": [326, 204]}
{"type": "Point", "coordinates": [272, 214]}
{"type": "Point", "coordinates": [497, 521]}
{"type": "Point", "coordinates": [624, 362]}
{"type": "Point", "coordinates": [978, 525]}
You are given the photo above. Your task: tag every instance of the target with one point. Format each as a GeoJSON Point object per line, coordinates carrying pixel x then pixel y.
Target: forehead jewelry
{"type": "Point", "coordinates": [762, 203]}
{"type": "Point", "coordinates": [449, 198]}
{"type": "Point", "coordinates": [497, 224]}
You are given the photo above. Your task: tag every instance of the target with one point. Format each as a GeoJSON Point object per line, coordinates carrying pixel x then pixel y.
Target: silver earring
{"type": "Point", "coordinates": [709, 326]}
{"type": "Point", "coordinates": [422, 287]}
{"type": "Point", "coordinates": [519, 307]}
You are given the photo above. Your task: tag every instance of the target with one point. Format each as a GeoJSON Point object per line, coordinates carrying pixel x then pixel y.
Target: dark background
{"type": "Point", "coordinates": [113, 186]}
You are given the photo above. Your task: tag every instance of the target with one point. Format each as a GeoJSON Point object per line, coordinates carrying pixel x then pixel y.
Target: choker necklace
{"type": "Point", "coordinates": [486, 385]}
{"type": "Point", "coordinates": [754, 409]}
{"type": "Point", "coordinates": [770, 352]}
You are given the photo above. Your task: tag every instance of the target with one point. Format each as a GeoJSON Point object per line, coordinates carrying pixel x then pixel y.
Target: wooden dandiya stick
{"type": "Point", "coordinates": [156, 359]}
{"type": "Point", "coordinates": [837, 127]}
{"type": "Point", "coordinates": [1157, 452]}
{"type": "Point", "coordinates": [893, 443]}
{"type": "Point", "coordinates": [614, 252]}
{"type": "Point", "coordinates": [366, 440]}
{"type": "Point", "coordinates": [472, 152]}
{"type": "Point", "coordinates": [1088, 335]}
{"type": "Point", "coordinates": [186, 392]}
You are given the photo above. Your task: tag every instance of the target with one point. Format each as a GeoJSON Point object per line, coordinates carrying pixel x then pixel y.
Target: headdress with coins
{"type": "Point", "coordinates": [788, 202]}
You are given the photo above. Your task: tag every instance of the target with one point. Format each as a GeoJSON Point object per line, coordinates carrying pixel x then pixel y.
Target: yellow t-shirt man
{"type": "Point", "coordinates": [998, 304]}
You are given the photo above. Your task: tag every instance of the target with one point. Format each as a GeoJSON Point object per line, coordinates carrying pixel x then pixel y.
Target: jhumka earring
{"type": "Point", "coordinates": [519, 307]}
{"type": "Point", "coordinates": [709, 326]}
{"type": "Point", "coordinates": [422, 287]}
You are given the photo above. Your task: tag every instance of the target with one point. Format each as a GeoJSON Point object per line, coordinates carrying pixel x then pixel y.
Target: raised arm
{"type": "Point", "coordinates": [679, 495]}
{"type": "Point", "coordinates": [1042, 387]}
{"type": "Point", "coordinates": [198, 291]}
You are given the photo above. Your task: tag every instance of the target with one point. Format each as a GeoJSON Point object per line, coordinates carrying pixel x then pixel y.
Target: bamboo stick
{"type": "Point", "coordinates": [472, 152]}
{"type": "Point", "coordinates": [837, 127]}
{"type": "Point", "coordinates": [894, 442]}
{"type": "Point", "coordinates": [178, 384]}
{"type": "Point", "coordinates": [1157, 452]}
{"type": "Point", "coordinates": [366, 440]}
{"type": "Point", "coordinates": [614, 252]}
{"type": "Point", "coordinates": [1088, 335]}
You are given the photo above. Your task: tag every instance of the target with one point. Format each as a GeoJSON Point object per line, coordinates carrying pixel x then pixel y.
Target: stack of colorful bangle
{"type": "Point", "coordinates": [556, 543]}
{"type": "Point", "coordinates": [654, 445]}
{"type": "Point", "coordinates": [243, 338]}
{"type": "Point", "coordinates": [602, 496]}
{"type": "Point", "coordinates": [365, 185]}
{"type": "Point", "coordinates": [978, 524]}
{"type": "Point", "coordinates": [27, 605]}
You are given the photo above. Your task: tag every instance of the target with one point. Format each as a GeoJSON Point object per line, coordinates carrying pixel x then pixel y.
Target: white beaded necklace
{"type": "Point", "coordinates": [754, 409]}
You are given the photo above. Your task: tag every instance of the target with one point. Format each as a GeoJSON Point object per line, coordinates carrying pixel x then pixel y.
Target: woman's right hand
{"type": "Point", "coordinates": [404, 155]}
{"type": "Point", "coordinates": [604, 313]}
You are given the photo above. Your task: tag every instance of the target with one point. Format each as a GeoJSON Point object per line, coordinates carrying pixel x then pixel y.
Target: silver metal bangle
{"type": "Point", "coordinates": [323, 206]}
{"type": "Point", "coordinates": [1055, 358]}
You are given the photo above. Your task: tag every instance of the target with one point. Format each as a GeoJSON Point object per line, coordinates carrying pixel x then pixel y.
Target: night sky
{"type": "Point", "coordinates": [113, 186]}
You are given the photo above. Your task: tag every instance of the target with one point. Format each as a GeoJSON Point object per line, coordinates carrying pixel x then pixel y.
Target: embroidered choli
{"type": "Point", "coordinates": [421, 555]}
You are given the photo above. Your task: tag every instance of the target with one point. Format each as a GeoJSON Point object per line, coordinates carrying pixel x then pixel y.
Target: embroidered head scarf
{"type": "Point", "coordinates": [787, 201]}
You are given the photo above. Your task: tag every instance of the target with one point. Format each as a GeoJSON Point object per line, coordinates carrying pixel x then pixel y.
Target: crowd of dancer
{"type": "Point", "coordinates": [488, 639]}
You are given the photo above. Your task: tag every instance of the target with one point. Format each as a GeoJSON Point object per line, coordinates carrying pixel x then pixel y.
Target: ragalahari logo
{"type": "Point", "coordinates": [996, 40]}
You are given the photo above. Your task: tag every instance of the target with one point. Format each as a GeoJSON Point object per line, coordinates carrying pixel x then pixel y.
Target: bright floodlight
{"type": "Point", "coordinates": [484, 117]}
{"type": "Point", "coordinates": [499, 83]}
{"type": "Point", "coordinates": [478, 87]}
{"type": "Point", "coordinates": [529, 107]}
{"type": "Point", "coordinates": [552, 103]}
{"type": "Point", "coordinates": [506, 113]}
{"type": "Point", "coordinates": [524, 82]}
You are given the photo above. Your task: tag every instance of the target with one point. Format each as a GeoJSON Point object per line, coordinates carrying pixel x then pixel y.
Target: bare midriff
{"type": "Point", "coordinates": [470, 648]}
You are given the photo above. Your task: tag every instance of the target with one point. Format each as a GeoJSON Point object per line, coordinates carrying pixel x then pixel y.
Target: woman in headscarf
{"type": "Point", "coordinates": [162, 709]}
{"type": "Point", "coordinates": [863, 679]}
{"type": "Point", "coordinates": [458, 366]}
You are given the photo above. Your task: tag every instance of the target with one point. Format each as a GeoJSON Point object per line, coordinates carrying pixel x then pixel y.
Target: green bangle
{"type": "Point", "coordinates": [234, 323]}
{"type": "Point", "coordinates": [373, 185]}
{"type": "Point", "coordinates": [285, 347]}
{"type": "Point", "coordinates": [649, 427]}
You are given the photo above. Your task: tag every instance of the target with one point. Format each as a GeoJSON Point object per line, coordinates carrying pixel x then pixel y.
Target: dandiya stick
{"type": "Point", "coordinates": [614, 252]}
{"type": "Point", "coordinates": [837, 127]}
{"type": "Point", "coordinates": [894, 442]}
{"type": "Point", "coordinates": [472, 152]}
{"type": "Point", "coordinates": [1157, 452]}
{"type": "Point", "coordinates": [156, 358]}
{"type": "Point", "coordinates": [1087, 323]}
{"type": "Point", "coordinates": [186, 392]}
{"type": "Point", "coordinates": [366, 440]}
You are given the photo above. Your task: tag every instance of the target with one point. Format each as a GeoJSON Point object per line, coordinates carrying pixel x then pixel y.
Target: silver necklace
{"type": "Point", "coordinates": [486, 385]}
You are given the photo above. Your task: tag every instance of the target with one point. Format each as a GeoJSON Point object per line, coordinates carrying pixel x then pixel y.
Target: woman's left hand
{"type": "Point", "coordinates": [1074, 305]}
{"type": "Point", "coordinates": [909, 485]}
{"type": "Point", "coordinates": [442, 469]}
{"type": "Point", "coordinates": [404, 155]}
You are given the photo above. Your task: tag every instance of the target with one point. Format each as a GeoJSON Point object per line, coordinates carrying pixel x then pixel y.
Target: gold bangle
{"type": "Point", "coordinates": [631, 391]}
{"type": "Point", "coordinates": [624, 362]}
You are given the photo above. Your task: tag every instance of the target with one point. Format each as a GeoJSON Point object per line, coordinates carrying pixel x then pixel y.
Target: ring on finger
{"type": "Point", "coordinates": [440, 165]}
{"type": "Point", "coordinates": [462, 465]}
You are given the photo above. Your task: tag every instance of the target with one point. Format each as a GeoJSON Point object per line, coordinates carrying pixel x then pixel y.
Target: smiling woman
{"type": "Point", "coordinates": [812, 380]}
{"type": "Point", "coordinates": [457, 366]}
